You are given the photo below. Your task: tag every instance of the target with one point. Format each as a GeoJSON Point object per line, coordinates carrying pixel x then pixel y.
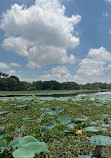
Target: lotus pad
{"type": "Point", "coordinates": [3, 112]}
{"type": "Point", "coordinates": [100, 139]}
{"type": "Point", "coordinates": [92, 129]}
{"type": "Point", "coordinates": [29, 150]}
{"type": "Point", "coordinates": [71, 125]}
{"type": "Point", "coordinates": [64, 119]}
{"type": "Point", "coordinates": [20, 129]}
{"type": "Point", "coordinates": [15, 142]}
{"type": "Point", "coordinates": [46, 128]}
{"type": "Point", "coordinates": [3, 145]}
{"type": "Point", "coordinates": [25, 140]}
{"type": "Point", "coordinates": [27, 119]}
{"type": "Point", "coordinates": [22, 106]}
{"type": "Point", "coordinates": [84, 156]}
{"type": "Point", "coordinates": [3, 134]}
{"type": "Point", "coordinates": [79, 120]}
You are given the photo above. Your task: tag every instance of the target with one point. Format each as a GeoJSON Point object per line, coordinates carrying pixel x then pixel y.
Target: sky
{"type": "Point", "coordinates": [62, 40]}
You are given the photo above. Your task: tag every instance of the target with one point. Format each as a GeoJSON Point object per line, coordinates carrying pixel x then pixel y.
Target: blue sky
{"type": "Point", "coordinates": [63, 40]}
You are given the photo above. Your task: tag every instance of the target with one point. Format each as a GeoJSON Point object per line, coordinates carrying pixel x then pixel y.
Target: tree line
{"type": "Point", "coordinates": [12, 83]}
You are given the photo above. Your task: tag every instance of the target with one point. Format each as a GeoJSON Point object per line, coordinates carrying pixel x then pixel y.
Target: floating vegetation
{"type": "Point", "coordinates": [101, 139]}
{"type": "Point", "coordinates": [92, 129]}
{"type": "Point", "coordinates": [47, 126]}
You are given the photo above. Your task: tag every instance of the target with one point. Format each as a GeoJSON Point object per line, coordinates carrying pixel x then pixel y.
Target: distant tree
{"type": "Point", "coordinates": [70, 86]}
{"type": "Point", "coordinates": [102, 85]}
{"type": "Point", "coordinates": [91, 86]}
{"type": "Point", "coordinates": [37, 85]}
{"type": "Point", "coordinates": [25, 86]}
{"type": "Point", "coordinates": [13, 83]}
{"type": "Point", "coordinates": [109, 86]}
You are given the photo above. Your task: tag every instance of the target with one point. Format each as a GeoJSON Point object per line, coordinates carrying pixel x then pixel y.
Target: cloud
{"type": "Point", "coordinates": [40, 32]}
{"type": "Point", "coordinates": [59, 73]}
{"type": "Point", "coordinates": [7, 66]}
{"type": "Point", "coordinates": [4, 65]}
{"type": "Point", "coordinates": [15, 64]}
{"type": "Point", "coordinates": [12, 72]}
{"type": "Point", "coordinates": [93, 66]}
{"type": "Point", "coordinates": [16, 44]}
{"type": "Point", "coordinates": [100, 54]}
{"type": "Point", "coordinates": [108, 68]}
{"type": "Point", "coordinates": [48, 55]}
{"type": "Point", "coordinates": [108, 1]}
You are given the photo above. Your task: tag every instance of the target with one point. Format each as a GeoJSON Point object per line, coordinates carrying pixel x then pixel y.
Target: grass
{"type": "Point", "coordinates": [46, 92]}
{"type": "Point", "coordinates": [60, 143]}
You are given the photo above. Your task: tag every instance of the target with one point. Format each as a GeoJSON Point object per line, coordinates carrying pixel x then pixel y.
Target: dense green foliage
{"type": "Point", "coordinates": [27, 123]}
{"type": "Point", "coordinates": [12, 83]}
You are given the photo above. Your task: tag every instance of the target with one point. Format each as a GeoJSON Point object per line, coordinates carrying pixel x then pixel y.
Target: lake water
{"type": "Point", "coordinates": [102, 96]}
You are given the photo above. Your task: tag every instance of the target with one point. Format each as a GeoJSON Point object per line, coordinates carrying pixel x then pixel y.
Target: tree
{"type": "Point", "coordinates": [91, 86]}
{"type": "Point", "coordinates": [70, 86]}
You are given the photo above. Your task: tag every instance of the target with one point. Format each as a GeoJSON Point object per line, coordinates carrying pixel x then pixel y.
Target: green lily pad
{"type": "Point", "coordinates": [106, 125]}
{"type": "Point", "coordinates": [93, 123]}
{"type": "Point", "coordinates": [66, 131]}
{"type": "Point", "coordinates": [92, 129]}
{"type": "Point", "coordinates": [79, 120]}
{"type": "Point", "coordinates": [13, 144]}
{"type": "Point", "coordinates": [22, 106]}
{"type": "Point", "coordinates": [3, 145]}
{"type": "Point", "coordinates": [71, 125]}
{"type": "Point", "coordinates": [29, 150]}
{"type": "Point", "coordinates": [25, 119]}
{"type": "Point", "coordinates": [100, 139]}
{"type": "Point", "coordinates": [3, 112]}
{"type": "Point", "coordinates": [46, 128]}
{"type": "Point", "coordinates": [84, 156]}
{"type": "Point", "coordinates": [42, 117]}
{"type": "Point", "coordinates": [64, 119]}
{"type": "Point", "coordinates": [51, 112]}
{"type": "Point", "coordinates": [20, 129]}
{"type": "Point", "coordinates": [25, 140]}
{"type": "Point", "coordinates": [3, 134]}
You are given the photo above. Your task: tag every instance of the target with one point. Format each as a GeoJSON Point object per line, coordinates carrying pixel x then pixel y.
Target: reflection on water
{"type": "Point", "coordinates": [100, 93]}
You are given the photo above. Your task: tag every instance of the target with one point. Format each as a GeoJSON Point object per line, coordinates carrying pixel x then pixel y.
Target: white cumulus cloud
{"type": "Point", "coordinates": [59, 73]}
{"type": "Point", "coordinates": [40, 32]}
{"type": "Point", "coordinates": [12, 72]}
{"type": "Point", "coordinates": [7, 66]}
{"type": "Point", "coordinates": [108, 1]}
{"type": "Point", "coordinates": [15, 64]}
{"type": "Point", "coordinates": [4, 65]}
{"type": "Point", "coordinates": [93, 66]}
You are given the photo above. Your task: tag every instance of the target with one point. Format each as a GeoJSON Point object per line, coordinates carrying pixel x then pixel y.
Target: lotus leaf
{"type": "Point", "coordinates": [66, 131]}
{"type": "Point", "coordinates": [25, 140]}
{"type": "Point", "coordinates": [100, 139]}
{"type": "Point", "coordinates": [51, 112]}
{"type": "Point", "coordinates": [84, 156]}
{"type": "Point", "coordinates": [92, 129]}
{"type": "Point", "coordinates": [15, 142]}
{"type": "Point", "coordinates": [3, 134]}
{"type": "Point", "coordinates": [71, 125]}
{"type": "Point", "coordinates": [64, 119]}
{"type": "Point", "coordinates": [29, 150]}
{"type": "Point", "coordinates": [22, 106]}
{"type": "Point", "coordinates": [3, 145]}
{"type": "Point", "coordinates": [42, 117]}
{"type": "Point", "coordinates": [3, 112]}
{"type": "Point", "coordinates": [46, 128]}
{"type": "Point", "coordinates": [93, 123]}
{"type": "Point", "coordinates": [105, 125]}
{"type": "Point", "coordinates": [20, 129]}
{"type": "Point", "coordinates": [79, 120]}
{"type": "Point", "coordinates": [27, 119]}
